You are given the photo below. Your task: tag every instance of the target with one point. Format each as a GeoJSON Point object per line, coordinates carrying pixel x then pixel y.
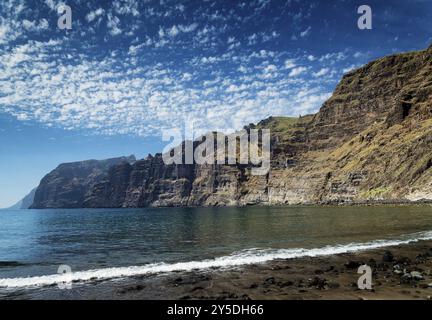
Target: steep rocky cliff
{"type": "Point", "coordinates": [68, 184]}
{"type": "Point", "coordinates": [371, 141]}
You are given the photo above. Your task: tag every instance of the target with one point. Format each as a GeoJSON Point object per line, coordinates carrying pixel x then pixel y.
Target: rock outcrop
{"type": "Point", "coordinates": [371, 141]}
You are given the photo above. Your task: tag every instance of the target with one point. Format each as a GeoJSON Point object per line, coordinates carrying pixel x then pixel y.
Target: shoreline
{"type": "Point", "coordinates": [384, 203]}
{"type": "Point", "coordinates": [399, 272]}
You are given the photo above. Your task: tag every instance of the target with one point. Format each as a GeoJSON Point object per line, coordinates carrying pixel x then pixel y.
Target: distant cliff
{"type": "Point", "coordinates": [25, 202]}
{"type": "Point", "coordinates": [68, 184]}
{"type": "Point", "coordinates": [371, 141]}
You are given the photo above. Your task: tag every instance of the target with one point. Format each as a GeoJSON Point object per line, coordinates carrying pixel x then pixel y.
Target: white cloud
{"type": "Point", "coordinates": [242, 69]}
{"type": "Point", "coordinates": [11, 27]}
{"type": "Point", "coordinates": [267, 37]}
{"type": "Point", "coordinates": [219, 82]}
{"type": "Point", "coordinates": [306, 33]}
{"type": "Point", "coordinates": [92, 15]}
{"type": "Point", "coordinates": [350, 68]}
{"type": "Point", "coordinates": [253, 39]}
{"type": "Point", "coordinates": [334, 57]}
{"type": "Point", "coordinates": [22, 117]}
{"type": "Point", "coordinates": [4, 30]}
{"type": "Point", "coordinates": [34, 26]}
{"type": "Point", "coordinates": [297, 71]}
{"type": "Point", "coordinates": [100, 97]}
{"type": "Point", "coordinates": [174, 31]}
{"type": "Point", "coordinates": [126, 7]}
{"type": "Point", "coordinates": [51, 4]}
{"type": "Point", "coordinates": [290, 63]}
{"type": "Point", "coordinates": [189, 28]}
{"type": "Point", "coordinates": [187, 76]}
{"type": "Point", "coordinates": [113, 24]}
{"type": "Point", "coordinates": [360, 55]}
{"type": "Point", "coordinates": [321, 73]}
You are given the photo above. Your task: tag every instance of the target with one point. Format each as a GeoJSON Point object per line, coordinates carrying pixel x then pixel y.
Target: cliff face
{"type": "Point", "coordinates": [68, 184]}
{"type": "Point", "coordinates": [370, 141]}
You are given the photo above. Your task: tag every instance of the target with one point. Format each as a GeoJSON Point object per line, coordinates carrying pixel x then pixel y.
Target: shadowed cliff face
{"type": "Point", "coordinates": [68, 184]}
{"type": "Point", "coordinates": [370, 141]}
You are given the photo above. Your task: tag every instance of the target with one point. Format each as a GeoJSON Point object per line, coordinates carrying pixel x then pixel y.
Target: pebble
{"type": "Point", "coordinates": [404, 261]}
{"type": "Point", "coordinates": [388, 256]}
{"type": "Point", "coordinates": [416, 275]}
{"type": "Point", "coordinates": [333, 285]}
{"type": "Point", "coordinates": [270, 280]}
{"type": "Point", "coordinates": [406, 277]}
{"type": "Point", "coordinates": [352, 264]}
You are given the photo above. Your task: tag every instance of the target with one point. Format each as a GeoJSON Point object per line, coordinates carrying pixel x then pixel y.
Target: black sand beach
{"type": "Point", "coordinates": [400, 272]}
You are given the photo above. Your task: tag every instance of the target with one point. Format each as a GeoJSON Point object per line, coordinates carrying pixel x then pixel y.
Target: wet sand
{"type": "Point", "coordinates": [400, 272]}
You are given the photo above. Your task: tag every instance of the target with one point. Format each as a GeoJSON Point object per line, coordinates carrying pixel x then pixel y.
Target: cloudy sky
{"type": "Point", "coordinates": [129, 69]}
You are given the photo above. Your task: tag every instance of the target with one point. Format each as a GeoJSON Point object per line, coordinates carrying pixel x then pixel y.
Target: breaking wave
{"type": "Point", "coordinates": [244, 257]}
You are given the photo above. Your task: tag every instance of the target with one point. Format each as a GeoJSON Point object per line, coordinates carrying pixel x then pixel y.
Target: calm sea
{"type": "Point", "coordinates": [101, 243]}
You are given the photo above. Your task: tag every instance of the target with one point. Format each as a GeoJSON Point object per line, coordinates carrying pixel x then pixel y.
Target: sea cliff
{"type": "Point", "coordinates": [370, 142]}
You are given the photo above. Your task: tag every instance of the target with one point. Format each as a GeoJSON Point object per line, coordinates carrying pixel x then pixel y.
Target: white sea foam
{"type": "Point", "coordinates": [245, 257]}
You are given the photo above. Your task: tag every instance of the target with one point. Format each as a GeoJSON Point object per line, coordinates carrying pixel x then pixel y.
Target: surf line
{"type": "Point", "coordinates": [245, 257]}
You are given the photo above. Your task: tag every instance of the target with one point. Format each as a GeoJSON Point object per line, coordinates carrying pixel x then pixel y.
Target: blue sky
{"type": "Point", "coordinates": [129, 69]}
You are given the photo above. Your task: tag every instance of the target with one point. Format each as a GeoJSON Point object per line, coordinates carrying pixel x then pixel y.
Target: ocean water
{"type": "Point", "coordinates": [114, 243]}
